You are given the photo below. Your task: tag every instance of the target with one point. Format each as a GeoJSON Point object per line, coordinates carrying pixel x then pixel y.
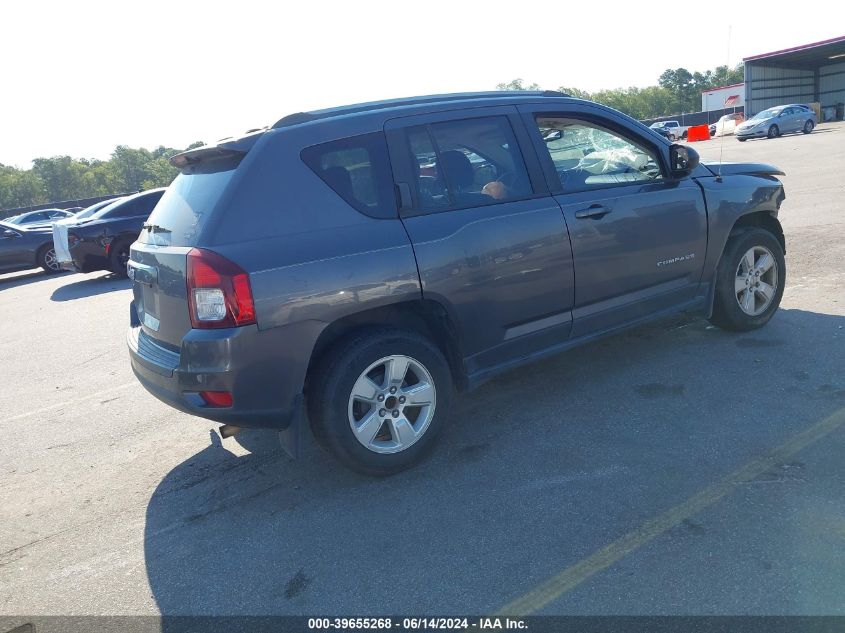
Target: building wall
{"type": "Point", "coordinates": [832, 84]}
{"type": "Point", "coordinates": [715, 99]}
{"type": "Point", "coordinates": [767, 86]}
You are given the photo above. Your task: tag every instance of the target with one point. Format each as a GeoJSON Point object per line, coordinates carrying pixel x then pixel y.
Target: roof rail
{"type": "Point", "coordinates": [315, 115]}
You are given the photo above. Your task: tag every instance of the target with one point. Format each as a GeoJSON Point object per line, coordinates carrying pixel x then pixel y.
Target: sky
{"type": "Point", "coordinates": [80, 77]}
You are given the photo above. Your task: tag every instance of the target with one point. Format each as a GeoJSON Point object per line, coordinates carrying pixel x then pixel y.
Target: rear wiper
{"type": "Point", "coordinates": [155, 228]}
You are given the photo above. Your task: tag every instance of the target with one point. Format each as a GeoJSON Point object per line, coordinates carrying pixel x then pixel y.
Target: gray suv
{"type": "Point", "coordinates": [351, 268]}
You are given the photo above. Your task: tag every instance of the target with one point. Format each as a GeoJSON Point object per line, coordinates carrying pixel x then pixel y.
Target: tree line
{"type": "Point", "coordinates": [677, 91]}
{"type": "Point", "coordinates": [62, 178]}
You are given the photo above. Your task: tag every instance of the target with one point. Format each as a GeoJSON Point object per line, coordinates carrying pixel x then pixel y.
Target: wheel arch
{"type": "Point", "coordinates": [427, 317]}
{"type": "Point", "coordinates": [763, 220]}
{"type": "Point", "coordinates": [39, 252]}
{"type": "Point", "coordinates": [756, 219]}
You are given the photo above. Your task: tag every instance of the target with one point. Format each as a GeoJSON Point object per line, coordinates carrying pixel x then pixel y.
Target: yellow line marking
{"type": "Point", "coordinates": [67, 403]}
{"type": "Point", "coordinates": [571, 577]}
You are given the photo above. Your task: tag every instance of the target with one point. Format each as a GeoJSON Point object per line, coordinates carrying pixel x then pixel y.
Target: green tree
{"type": "Point", "coordinates": [516, 84]}
{"type": "Point", "coordinates": [575, 92]}
{"type": "Point", "coordinates": [61, 178]}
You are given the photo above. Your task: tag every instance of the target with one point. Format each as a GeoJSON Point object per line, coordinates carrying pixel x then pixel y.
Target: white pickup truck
{"type": "Point", "coordinates": [673, 130]}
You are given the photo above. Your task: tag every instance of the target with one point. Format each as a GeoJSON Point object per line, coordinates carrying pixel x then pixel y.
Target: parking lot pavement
{"type": "Point", "coordinates": [674, 469]}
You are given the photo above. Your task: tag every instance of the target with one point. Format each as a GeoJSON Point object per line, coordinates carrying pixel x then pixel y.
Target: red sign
{"type": "Point", "coordinates": [731, 100]}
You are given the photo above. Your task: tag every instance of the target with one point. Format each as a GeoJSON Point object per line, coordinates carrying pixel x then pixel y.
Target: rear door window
{"type": "Point", "coordinates": [467, 163]}
{"type": "Point", "coordinates": [358, 170]}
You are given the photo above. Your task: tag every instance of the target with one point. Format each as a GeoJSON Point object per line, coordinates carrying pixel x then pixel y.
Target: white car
{"type": "Point", "coordinates": [726, 124]}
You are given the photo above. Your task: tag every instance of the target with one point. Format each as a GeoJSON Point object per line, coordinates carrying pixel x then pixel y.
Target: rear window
{"type": "Point", "coordinates": [358, 170]}
{"type": "Point", "coordinates": [185, 206]}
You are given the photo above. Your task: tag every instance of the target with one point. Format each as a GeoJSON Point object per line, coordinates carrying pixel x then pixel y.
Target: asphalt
{"type": "Point", "coordinates": [673, 469]}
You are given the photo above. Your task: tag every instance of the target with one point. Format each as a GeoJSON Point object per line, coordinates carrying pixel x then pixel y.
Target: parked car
{"type": "Point", "coordinates": [311, 272]}
{"type": "Point", "coordinates": [23, 247]}
{"type": "Point", "coordinates": [726, 124]}
{"type": "Point", "coordinates": [773, 122]}
{"type": "Point", "coordinates": [658, 127]}
{"type": "Point", "coordinates": [60, 230]}
{"type": "Point", "coordinates": [42, 216]}
{"type": "Point", "coordinates": [673, 130]}
{"type": "Point", "coordinates": [101, 241]}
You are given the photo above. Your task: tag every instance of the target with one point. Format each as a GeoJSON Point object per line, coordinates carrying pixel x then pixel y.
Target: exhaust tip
{"type": "Point", "coordinates": [228, 430]}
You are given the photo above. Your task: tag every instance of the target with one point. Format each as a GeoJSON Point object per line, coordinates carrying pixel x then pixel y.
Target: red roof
{"type": "Point", "coordinates": [742, 83]}
{"type": "Point", "coordinates": [833, 40]}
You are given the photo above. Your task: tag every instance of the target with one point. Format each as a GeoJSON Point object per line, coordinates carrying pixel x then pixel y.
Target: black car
{"type": "Point", "coordinates": [44, 216]}
{"type": "Point", "coordinates": [22, 248]}
{"type": "Point", "coordinates": [351, 267]}
{"type": "Point", "coordinates": [101, 242]}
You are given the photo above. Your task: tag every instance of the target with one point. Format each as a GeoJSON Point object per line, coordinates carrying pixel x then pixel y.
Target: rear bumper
{"type": "Point", "coordinates": [243, 361]}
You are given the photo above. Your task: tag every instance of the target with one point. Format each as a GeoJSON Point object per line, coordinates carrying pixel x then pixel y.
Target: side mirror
{"type": "Point", "coordinates": [9, 233]}
{"type": "Point", "coordinates": [553, 135]}
{"type": "Point", "coordinates": [683, 159]}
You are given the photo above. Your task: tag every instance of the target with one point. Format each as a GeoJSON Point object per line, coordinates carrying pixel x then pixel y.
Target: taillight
{"type": "Point", "coordinates": [219, 294]}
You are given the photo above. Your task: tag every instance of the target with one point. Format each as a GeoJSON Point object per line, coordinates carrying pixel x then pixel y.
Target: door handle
{"type": "Point", "coordinates": [593, 211]}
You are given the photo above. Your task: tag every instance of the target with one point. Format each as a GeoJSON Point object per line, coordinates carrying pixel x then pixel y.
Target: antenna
{"type": "Point", "coordinates": [722, 142]}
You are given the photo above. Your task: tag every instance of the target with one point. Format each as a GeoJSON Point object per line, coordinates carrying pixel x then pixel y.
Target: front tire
{"type": "Point", "coordinates": [48, 261]}
{"type": "Point", "coordinates": [774, 132]}
{"type": "Point", "coordinates": [379, 400]}
{"type": "Point", "coordinates": [741, 140]}
{"type": "Point", "coordinates": [808, 127]}
{"type": "Point", "coordinates": [750, 279]}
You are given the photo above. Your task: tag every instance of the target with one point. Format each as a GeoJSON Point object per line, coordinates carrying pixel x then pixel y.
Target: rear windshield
{"type": "Point", "coordinates": [184, 208]}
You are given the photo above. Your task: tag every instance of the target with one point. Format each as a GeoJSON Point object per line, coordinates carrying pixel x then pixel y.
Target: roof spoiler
{"type": "Point", "coordinates": [224, 148]}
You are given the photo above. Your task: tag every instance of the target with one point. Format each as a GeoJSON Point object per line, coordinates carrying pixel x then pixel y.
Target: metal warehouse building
{"type": "Point", "coordinates": [803, 74]}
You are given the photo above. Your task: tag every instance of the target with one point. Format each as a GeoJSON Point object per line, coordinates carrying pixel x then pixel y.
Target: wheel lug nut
{"type": "Point", "coordinates": [393, 390]}
{"type": "Point", "coordinates": [395, 413]}
{"type": "Point", "coordinates": [401, 399]}
{"type": "Point", "coordinates": [380, 397]}
{"type": "Point", "coordinates": [382, 412]}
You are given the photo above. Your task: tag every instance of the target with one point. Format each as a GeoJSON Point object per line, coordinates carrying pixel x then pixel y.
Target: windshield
{"type": "Point", "coordinates": [766, 114]}
{"type": "Point", "coordinates": [659, 124]}
{"type": "Point", "coordinates": [87, 213]}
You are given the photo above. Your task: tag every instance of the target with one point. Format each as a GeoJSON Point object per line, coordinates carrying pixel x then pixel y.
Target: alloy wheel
{"type": "Point", "coordinates": [756, 280]}
{"type": "Point", "coordinates": [50, 259]}
{"type": "Point", "coordinates": [392, 404]}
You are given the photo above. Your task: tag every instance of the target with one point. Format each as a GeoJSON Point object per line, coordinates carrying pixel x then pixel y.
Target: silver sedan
{"type": "Point", "coordinates": [773, 122]}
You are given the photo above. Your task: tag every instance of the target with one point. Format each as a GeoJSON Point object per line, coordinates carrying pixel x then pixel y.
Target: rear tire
{"type": "Point", "coordinates": [750, 279]}
{"type": "Point", "coordinates": [774, 132]}
{"type": "Point", "coordinates": [48, 261]}
{"type": "Point", "coordinates": [741, 140]}
{"type": "Point", "coordinates": [118, 257]}
{"type": "Point", "coordinates": [808, 127]}
{"type": "Point", "coordinates": [363, 400]}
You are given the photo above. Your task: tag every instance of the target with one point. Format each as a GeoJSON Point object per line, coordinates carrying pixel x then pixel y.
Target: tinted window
{"type": "Point", "coordinates": [125, 210]}
{"type": "Point", "coordinates": [136, 207]}
{"type": "Point", "coordinates": [187, 203]}
{"type": "Point", "coordinates": [586, 155]}
{"type": "Point", "coordinates": [358, 170]}
{"type": "Point", "coordinates": [466, 163]}
{"type": "Point", "coordinates": [431, 188]}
